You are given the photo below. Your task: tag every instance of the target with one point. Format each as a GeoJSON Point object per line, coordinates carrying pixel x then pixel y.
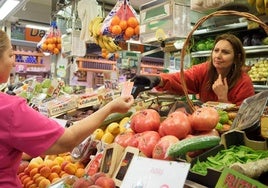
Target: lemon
{"type": "Point", "coordinates": [113, 128]}
{"type": "Point", "coordinates": [98, 134]}
{"type": "Point", "coordinates": [107, 138]}
{"type": "Point", "coordinates": [124, 121]}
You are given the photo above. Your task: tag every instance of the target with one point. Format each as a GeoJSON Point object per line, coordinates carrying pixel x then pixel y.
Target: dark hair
{"type": "Point", "coordinates": [239, 61]}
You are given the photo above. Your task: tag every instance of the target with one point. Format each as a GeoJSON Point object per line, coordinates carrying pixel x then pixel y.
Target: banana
{"type": "Point", "coordinates": [260, 6]}
{"type": "Point", "coordinates": [97, 26]}
{"type": "Point", "coordinates": [114, 45]}
{"type": "Point", "coordinates": [100, 42]}
{"type": "Point", "coordinates": [106, 42]}
{"type": "Point", "coordinates": [251, 2]}
{"type": "Point", "coordinates": [266, 5]}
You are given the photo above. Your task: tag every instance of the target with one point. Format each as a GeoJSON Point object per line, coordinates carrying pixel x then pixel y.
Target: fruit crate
{"type": "Point", "coordinates": [234, 137]}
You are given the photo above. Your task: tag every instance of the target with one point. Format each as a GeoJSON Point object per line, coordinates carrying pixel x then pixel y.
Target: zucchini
{"type": "Point", "coordinates": [192, 144]}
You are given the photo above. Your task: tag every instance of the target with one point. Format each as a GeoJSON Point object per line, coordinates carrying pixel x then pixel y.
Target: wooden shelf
{"type": "Point", "coordinates": [38, 56]}
{"type": "Point", "coordinates": [30, 64]}
{"type": "Point", "coordinates": [95, 65]}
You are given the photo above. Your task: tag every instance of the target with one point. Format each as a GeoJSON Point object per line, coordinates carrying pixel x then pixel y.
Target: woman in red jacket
{"type": "Point", "coordinates": [220, 79]}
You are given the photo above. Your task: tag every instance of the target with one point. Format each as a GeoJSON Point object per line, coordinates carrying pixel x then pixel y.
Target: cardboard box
{"type": "Point", "coordinates": [234, 137]}
{"type": "Point", "coordinates": [164, 20]}
{"type": "Point", "coordinates": [111, 157]}
{"type": "Point", "coordinates": [124, 163]}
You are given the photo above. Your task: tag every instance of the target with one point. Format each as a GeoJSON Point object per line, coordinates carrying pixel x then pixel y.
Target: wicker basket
{"type": "Point", "coordinates": [186, 44]}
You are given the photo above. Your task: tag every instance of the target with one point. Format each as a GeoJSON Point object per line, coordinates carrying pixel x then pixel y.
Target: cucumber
{"type": "Point", "coordinates": [115, 117]}
{"type": "Point", "coordinates": [192, 144]}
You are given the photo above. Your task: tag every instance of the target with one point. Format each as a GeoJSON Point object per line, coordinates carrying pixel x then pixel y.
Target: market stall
{"type": "Point", "coordinates": [165, 139]}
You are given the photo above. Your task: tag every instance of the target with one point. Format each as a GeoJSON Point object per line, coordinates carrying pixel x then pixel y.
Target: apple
{"type": "Point", "coordinates": [105, 182]}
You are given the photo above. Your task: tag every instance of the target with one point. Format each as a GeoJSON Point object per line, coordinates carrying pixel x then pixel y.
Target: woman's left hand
{"type": "Point", "coordinates": [220, 88]}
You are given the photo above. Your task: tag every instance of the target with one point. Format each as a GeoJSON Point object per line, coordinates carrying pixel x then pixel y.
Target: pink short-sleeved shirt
{"type": "Point", "coordinates": [22, 129]}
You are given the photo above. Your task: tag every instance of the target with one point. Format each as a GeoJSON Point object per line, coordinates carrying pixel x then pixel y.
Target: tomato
{"type": "Point", "coordinates": [160, 149]}
{"type": "Point", "coordinates": [125, 139]}
{"type": "Point", "coordinates": [212, 132]}
{"type": "Point", "coordinates": [146, 142]}
{"type": "Point", "coordinates": [145, 120]}
{"type": "Point", "coordinates": [204, 119]}
{"type": "Point", "coordinates": [176, 124]}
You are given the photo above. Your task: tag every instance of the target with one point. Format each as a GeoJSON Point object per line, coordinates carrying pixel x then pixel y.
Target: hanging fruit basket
{"type": "Point", "coordinates": [187, 42]}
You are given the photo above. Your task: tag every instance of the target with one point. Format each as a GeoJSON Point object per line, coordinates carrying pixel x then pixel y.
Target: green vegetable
{"type": "Point", "coordinates": [226, 157]}
{"type": "Point", "coordinates": [115, 117]}
{"type": "Point", "coordinates": [192, 144]}
{"type": "Point", "coordinates": [224, 118]}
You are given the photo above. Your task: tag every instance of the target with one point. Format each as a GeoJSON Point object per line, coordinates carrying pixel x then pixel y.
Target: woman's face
{"type": "Point", "coordinates": [7, 62]}
{"type": "Point", "coordinates": [223, 55]}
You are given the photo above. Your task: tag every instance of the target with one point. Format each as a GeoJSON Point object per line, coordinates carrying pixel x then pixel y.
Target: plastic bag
{"type": "Point", "coordinates": [122, 22]}
{"type": "Point", "coordinates": [51, 42]}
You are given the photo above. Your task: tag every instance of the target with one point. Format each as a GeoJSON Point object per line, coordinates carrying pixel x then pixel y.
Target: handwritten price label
{"type": "Point", "coordinates": [127, 88]}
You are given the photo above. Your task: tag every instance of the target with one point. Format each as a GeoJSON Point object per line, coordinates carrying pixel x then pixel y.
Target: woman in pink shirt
{"type": "Point", "coordinates": [219, 79]}
{"type": "Point", "coordinates": [22, 129]}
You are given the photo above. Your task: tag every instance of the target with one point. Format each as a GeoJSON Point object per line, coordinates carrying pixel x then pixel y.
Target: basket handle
{"type": "Point", "coordinates": [184, 49]}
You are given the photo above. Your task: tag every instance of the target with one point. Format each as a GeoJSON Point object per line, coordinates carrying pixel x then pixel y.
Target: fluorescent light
{"type": "Point", "coordinates": [7, 7]}
{"type": "Point", "coordinates": [37, 27]}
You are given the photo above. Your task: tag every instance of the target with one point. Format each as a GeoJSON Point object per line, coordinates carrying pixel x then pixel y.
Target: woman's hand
{"type": "Point", "coordinates": [121, 104]}
{"type": "Point", "coordinates": [220, 88]}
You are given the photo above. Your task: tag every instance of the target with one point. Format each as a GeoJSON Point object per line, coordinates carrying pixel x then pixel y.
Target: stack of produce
{"type": "Point", "coordinates": [107, 43]}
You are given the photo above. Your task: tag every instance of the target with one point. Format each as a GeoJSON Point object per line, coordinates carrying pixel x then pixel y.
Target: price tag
{"type": "Point", "coordinates": [146, 172]}
{"type": "Point", "coordinates": [230, 178]}
{"type": "Point", "coordinates": [127, 88]}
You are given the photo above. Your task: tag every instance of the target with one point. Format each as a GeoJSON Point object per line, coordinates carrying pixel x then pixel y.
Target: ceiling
{"type": "Point", "coordinates": [41, 10]}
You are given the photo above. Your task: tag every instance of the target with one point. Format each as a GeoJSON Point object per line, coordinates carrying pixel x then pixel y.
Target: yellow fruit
{"type": "Point", "coordinates": [98, 133]}
{"type": "Point", "coordinates": [113, 128]}
{"type": "Point", "coordinates": [124, 121]}
{"type": "Point", "coordinates": [107, 138]}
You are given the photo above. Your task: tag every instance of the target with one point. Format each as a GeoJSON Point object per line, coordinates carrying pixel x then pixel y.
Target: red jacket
{"type": "Point", "coordinates": [196, 80]}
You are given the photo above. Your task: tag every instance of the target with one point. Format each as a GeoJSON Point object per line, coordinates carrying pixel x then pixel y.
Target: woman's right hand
{"type": "Point", "coordinates": [220, 88]}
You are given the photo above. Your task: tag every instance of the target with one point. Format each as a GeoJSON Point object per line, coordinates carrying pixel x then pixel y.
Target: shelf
{"type": "Point", "coordinates": [95, 65]}
{"type": "Point", "coordinates": [30, 64]}
{"type": "Point", "coordinates": [24, 53]}
{"type": "Point", "coordinates": [23, 56]}
{"type": "Point", "coordinates": [221, 28]}
{"type": "Point", "coordinates": [248, 49]}
{"type": "Point", "coordinates": [260, 88]}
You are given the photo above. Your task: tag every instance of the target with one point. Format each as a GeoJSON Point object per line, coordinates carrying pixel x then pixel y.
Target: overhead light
{"type": "Point", "coordinates": [39, 27]}
{"type": "Point", "coordinates": [7, 7]}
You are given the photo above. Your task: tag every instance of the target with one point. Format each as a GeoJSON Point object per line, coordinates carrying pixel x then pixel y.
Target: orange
{"type": "Point", "coordinates": [44, 46]}
{"type": "Point", "coordinates": [26, 180]}
{"type": "Point", "coordinates": [45, 171]}
{"type": "Point", "coordinates": [49, 40]}
{"type": "Point", "coordinates": [29, 183]}
{"type": "Point", "coordinates": [50, 47]}
{"type": "Point", "coordinates": [44, 183]}
{"type": "Point", "coordinates": [58, 46]}
{"type": "Point", "coordinates": [58, 39]}
{"type": "Point", "coordinates": [123, 24]}
{"type": "Point", "coordinates": [80, 172]}
{"type": "Point", "coordinates": [52, 176]}
{"type": "Point", "coordinates": [129, 32]}
{"type": "Point", "coordinates": [115, 20]}
{"type": "Point", "coordinates": [33, 172]}
{"type": "Point", "coordinates": [132, 22]}
{"type": "Point", "coordinates": [137, 30]}
{"type": "Point", "coordinates": [116, 29]}
{"type": "Point", "coordinates": [56, 51]}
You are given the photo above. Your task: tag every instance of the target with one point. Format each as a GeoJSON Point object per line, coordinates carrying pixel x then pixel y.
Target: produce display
{"type": "Point", "coordinates": [259, 71]}
{"type": "Point", "coordinates": [107, 43]}
{"type": "Point", "coordinates": [176, 136]}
